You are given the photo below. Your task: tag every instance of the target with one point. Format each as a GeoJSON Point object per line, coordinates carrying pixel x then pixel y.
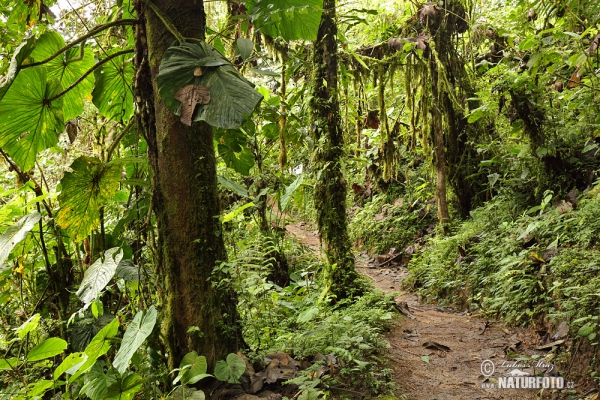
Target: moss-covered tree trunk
{"type": "Point", "coordinates": [330, 187]}
{"type": "Point", "coordinates": [437, 134]}
{"type": "Point", "coordinates": [185, 203]}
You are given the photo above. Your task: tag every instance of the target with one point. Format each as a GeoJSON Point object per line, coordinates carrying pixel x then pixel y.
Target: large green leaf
{"type": "Point", "coordinates": [232, 146]}
{"type": "Point", "coordinates": [139, 329]}
{"type": "Point", "coordinates": [30, 123]}
{"type": "Point", "coordinates": [90, 186]}
{"type": "Point", "coordinates": [290, 19]}
{"type": "Point", "coordinates": [113, 94]}
{"type": "Point", "coordinates": [67, 68]}
{"type": "Point", "coordinates": [14, 234]}
{"type": "Point", "coordinates": [98, 275]}
{"type": "Point", "coordinates": [230, 370]}
{"type": "Point", "coordinates": [197, 368]}
{"type": "Point", "coordinates": [99, 346]}
{"type": "Point", "coordinates": [70, 364]}
{"type": "Point", "coordinates": [21, 53]}
{"type": "Point", "coordinates": [48, 348]}
{"type": "Point", "coordinates": [125, 387]}
{"type": "Point", "coordinates": [97, 381]}
{"type": "Point", "coordinates": [232, 97]}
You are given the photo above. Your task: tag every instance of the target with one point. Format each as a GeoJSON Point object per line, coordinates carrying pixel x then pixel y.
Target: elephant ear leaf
{"type": "Point", "coordinates": [231, 98]}
{"type": "Point", "coordinates": [67, 68]}
{"type": "Point", "coordinates": [20, 55]}
{"type": "Point", "coordinates": [112, 93]}
{"type": "Point", "coordinates": [31, 117]}
{"type": "Point", "coordinates": [84, 191]}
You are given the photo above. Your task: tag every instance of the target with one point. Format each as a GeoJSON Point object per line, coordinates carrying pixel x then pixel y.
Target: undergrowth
{"type": "Point", "coordinates": [397, 222]}
{"type": "Point", "coordinates": [540, 265]}
{"type": "Point", "coordinates": [302, 321]}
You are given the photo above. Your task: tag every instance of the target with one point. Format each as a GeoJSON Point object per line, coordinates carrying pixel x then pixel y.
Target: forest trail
{"type": "Point", "coordinates": [436, 353]}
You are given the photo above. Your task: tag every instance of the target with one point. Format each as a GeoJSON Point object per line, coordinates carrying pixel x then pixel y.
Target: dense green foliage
{"type": "Point", "coordinates": [465, 133]}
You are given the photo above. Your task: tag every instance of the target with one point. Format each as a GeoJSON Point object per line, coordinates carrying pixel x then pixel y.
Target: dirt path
{"type": "Point", "coordinates": [437, 353]}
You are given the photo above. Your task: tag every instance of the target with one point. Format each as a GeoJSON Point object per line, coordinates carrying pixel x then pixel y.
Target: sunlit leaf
{"type": "Point", "coordinates": [28, 326]}
{"type": "Point", "coordinates": [48, 348]}
{"type": "Point", "coordinates": [98, 275]}
{"type": "Point", "coordinates": [71, 363]}
{"type": "Point", "coordinates": [139, 329]}
{"type": "Point", "coordinates": [21, 53]}
{"type": "Point", "coordinates": [30, 123]}
{"type": "Point", "coordinates": [90, 186]}
{"type": "Point", "coordinates": [113, 94]}
{"type": "Point", "coordinates": [290, 19]}
{"type": "Point", "coordinates": [67, 68]}
{"type": "Point", "coordinates": [289, 191]}
{"type": "Point", "coordinates": [14, 234]}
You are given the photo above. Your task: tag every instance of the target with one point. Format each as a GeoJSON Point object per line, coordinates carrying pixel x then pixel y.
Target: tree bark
{"type": "Point", "coordinates": [439, 149]}
{"type": "Point", "coordinates": [330, 187]}
{"type": "Point", "coordinates": [185, 202]}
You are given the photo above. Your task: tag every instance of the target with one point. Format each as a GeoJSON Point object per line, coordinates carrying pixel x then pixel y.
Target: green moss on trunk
{"type": "Point", "coordinates": [330, 188]}
{"type": "Point", "coordinates": [186, 205]}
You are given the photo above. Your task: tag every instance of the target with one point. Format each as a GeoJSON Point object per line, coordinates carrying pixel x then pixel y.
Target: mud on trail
{"type": "Point", "coordinates": [436, 353]}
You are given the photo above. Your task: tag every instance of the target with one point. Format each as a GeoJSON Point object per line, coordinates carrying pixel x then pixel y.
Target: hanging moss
{"type": "Point", "coordinates": [330, 186]}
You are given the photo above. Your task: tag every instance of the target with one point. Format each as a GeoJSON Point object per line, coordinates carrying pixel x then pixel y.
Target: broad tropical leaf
{"type": "Point", "coordinates": [186, 393]}
{"type": "Point", "coordinates": [48, 348]}
{"type": "Point", "coordinates": [232, 146]}
{"type": "Point", "coordinates": [14, 234]}
{"type": "Point", "coordinates": [139, 329]}
{"type": "Point", "coordinates": [30, 123]}
{"type": "Point", "coordinates": [21, 53]}
{"type": "Point", "coordinates": [67, 68]}
{"type": "Point", "coordinates": [232, 97]}
{"type": "Point", "coordinates": [234, 187]}
{"type": "Point", "coordinates": [289, 191]}
{"type": "Point", "coordinates": [70, 364]}
{"type": "Point", "coordinates": [90, 186]}
{"type": "Point", "coordinates": [197, 370]}
{"type": "Point", "coordinates": [99, 346]}
{"type": "Point", "coordinates": [125, 387]}
{"type": "Point", "coordinates": [231, 369]}
{"type": "Point", "coordinates": [97, 381]}
{"type": "Point", "coordinates": [9, 364]}
{"type": "Point", "coordinates": [128, 271]}
{"type": "Point", "coordinates": [98, 275]}
{"type": "Point", "coordinates": [28, 326]}
{"type": "Point", "coordinates": [112, 93]}
{"type": "Point", "coordinates": [290, 19]}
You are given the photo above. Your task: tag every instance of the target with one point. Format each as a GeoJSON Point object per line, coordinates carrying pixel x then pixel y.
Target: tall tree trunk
{"type": "Point", "coordinates": [185, 201]}
{"type": "Point", "coordinates": [439, 148]}
{"type": "Point", "coordinates": [330, 188]}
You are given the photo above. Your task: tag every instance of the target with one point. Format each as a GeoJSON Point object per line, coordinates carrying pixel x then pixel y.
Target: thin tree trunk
{"type": "Point", "coordinates": [439, 149]}
{"type": "Point", "coordinates": [330, 188]}
{"type": "Point", "coordinates": [185, 201]}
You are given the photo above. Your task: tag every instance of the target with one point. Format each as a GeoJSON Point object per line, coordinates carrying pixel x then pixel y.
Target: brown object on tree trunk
{"type": "Point", "coordinates": [185, 201]}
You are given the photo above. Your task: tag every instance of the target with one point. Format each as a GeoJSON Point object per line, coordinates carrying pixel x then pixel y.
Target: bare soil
{"type": "Point", "coordinates": [436, 353]}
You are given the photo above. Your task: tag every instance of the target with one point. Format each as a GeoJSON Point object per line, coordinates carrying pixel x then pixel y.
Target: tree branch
{"type": "Point", "coordinates": [89, 71]}
{"type": "Point", "coordinates": [166, 21]}
{"type": "Point", "coordinates": [83, 38]}
{"type": "Point", "coordinates": [117, 140]}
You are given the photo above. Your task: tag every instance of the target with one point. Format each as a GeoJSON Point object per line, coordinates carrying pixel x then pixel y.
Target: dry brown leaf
{"type": "Point", "coordinates": [189, 96]}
